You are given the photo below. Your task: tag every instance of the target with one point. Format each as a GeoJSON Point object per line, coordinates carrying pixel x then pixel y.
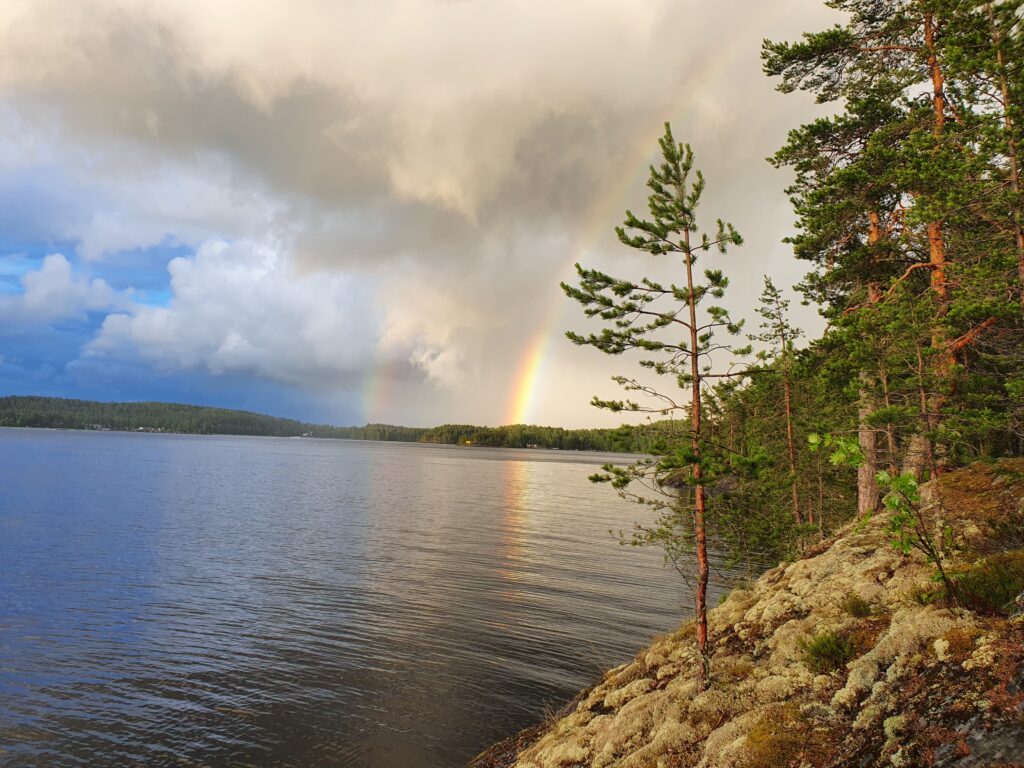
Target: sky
{"type": "Point", "coordinates": [361, 210]}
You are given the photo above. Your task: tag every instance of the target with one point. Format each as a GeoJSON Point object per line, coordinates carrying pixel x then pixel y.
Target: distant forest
{"type": "Point", "coordinates": [59, 413]}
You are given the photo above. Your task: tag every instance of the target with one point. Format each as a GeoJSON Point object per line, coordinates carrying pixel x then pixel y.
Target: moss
{"type": "Point", "coordinates": [620, 696]}
{"type": "Point", "coordinates": [777, 739]}
{"type": "Point", "coordinates": [893, 726]}
{"type": "Point", "coordinates": [827, 651]}
{"type": "Point", "coordinates": [992, 584]}
{"type": "Point", "coordinates": [987, 497]}
{"type": "Point", "coordinates": [866, 633]}
{"type": "Point", "coordinates": [856, 606]}
{"type": "Point", "coordinates": [917, 679]}
{"type": "Point", "coordinates": [959, 642]}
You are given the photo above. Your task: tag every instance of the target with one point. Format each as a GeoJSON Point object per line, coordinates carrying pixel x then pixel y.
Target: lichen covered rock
{"type": "Point", "coordinates": [927, 684]}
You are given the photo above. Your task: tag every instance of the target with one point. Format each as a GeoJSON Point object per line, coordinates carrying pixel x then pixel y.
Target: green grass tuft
{"type": "Point", "coordinates": [856, 606]}
{"type": "Point", "coordinates": [827, 651]}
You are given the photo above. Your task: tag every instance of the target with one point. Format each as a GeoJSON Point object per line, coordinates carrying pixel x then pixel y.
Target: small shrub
{"type": "Point", "coordinates": [856, 606]}
{"type": "Point", "coordinates": [992, 584]}
{"type": "Point", "coordinates": [827, 651]}
{"type": "Point", "coordinates": [924, 594]}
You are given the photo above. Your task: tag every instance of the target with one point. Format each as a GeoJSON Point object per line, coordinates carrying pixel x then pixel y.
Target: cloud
{"type": "Point", "coordinates": [53, 293]}
{"type": "Point", "coordinates": [380, 184]}
{"type": "Point", "coordinates": [398, 98]}
{"type": "Point", "coordinates": [239, 308]}
{"type": "Point", "coordinates": [428, 115]}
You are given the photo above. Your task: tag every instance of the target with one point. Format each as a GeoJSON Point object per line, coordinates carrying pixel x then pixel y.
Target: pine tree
{"type": "Point", "coordinates": [910, 164]}
{"type": "Point", "coordinates": [780, 335]}
{"type": "Point", "coordinates": [676, 327]}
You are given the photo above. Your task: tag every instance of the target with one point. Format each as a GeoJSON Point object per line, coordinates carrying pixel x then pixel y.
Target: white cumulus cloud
{"type": "Point", "coordinates": [53, 293]}
{"type": "Point", "coordinates": [242, 308]}
{"type": "Point", "coordinates": [237, 307]}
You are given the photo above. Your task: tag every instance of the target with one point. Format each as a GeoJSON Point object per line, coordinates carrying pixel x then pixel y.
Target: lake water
{"type": "Point", "coordinates": [235, 601]}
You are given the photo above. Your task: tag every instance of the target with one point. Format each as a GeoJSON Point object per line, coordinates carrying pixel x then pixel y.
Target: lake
{"type": "Point", "coordinates": [241, 601]}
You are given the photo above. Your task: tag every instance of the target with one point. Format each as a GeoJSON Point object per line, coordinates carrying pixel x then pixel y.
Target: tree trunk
{"type": "Point", "coordinates": [890, 437]}
{"type": "Point", "coordinates": [867, 438]}
{"type": "Point", "coordinates": [936, 241]}
{"type": "Point", "coordinates": [1011, 147]}
{"type": "Point", "coordinates": [867, 485]}
{"type": "Point", "coordinates": [792, 448]}
{"type": "Point", "coordinates": [700, 533]}
{"type": "Point", "coordinates": [944, 360]}
{"type": "Point", "coordinates": [821, 498]}
{"type": "Point", "coordinates": [787, 402]}
{"type": "Point", "coordinates": [919, 450]}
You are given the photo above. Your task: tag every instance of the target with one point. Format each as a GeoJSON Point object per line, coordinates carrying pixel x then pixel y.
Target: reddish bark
{"type": "Point", "coordinates": [867, 486]}
{"type": "Point", "coordinates": [936, 242]}
{"type": "Point", "coordinates": [699, 509]}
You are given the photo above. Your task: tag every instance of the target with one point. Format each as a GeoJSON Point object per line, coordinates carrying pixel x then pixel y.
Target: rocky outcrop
{"type": "Point", "coordinates": [847, 657]}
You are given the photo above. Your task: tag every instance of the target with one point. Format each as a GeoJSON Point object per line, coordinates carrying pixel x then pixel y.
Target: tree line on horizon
{"type": "Point", "coordinates": [62, 413]}
{"type": "Point", "coordinates": [909, 215]}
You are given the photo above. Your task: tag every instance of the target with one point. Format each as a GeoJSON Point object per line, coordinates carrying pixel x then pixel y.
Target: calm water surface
{"type": "Point", "coordinates": [225, 601]}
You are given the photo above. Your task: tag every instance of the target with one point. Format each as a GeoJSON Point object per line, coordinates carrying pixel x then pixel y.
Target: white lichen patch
{"type": "Point", "coordinates": [911, 628]}
{"type": "Point", "coordinates": [984, 654]}
{"type": "Point", "coordinates": [619, 696]}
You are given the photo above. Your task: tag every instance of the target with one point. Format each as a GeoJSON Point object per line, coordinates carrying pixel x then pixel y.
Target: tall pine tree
{"type": "Point", "coordinates": [675, 327]}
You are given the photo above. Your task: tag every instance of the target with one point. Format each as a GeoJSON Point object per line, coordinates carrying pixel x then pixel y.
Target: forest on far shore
{"type": "Point", "coordinates": [61, 413]}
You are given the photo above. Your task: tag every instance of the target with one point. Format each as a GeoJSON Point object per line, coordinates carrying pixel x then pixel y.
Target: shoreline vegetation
{"type": "Point", "coordinates": [175, 418]}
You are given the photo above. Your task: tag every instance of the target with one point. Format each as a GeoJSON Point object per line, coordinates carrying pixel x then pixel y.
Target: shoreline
{"type": "Point", "coordinates": [920, 683]}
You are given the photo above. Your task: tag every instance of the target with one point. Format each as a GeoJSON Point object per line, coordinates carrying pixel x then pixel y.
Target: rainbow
{"type": "Point", "coordinates": [378, 388]}
{"type": "Point", "coordinates": [521, 399]}
{"type": "Point", "coordinates": [524, 390]}
{"type": "Point", "coordinates": [527, 379]}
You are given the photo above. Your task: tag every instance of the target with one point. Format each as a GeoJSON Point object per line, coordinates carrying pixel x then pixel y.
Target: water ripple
{"type": "Point", "coordinates": [187, 601]}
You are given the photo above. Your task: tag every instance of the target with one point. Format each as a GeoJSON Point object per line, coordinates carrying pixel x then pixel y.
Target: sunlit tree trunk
{"type": "Point", "coordinates": [867, 437]}
{"type": "Point", "coordinates": [936, 241]}
{"type": "Point", "coordinates": [699, 509]}
{"type": "Point", "coordinates": [944, 360]}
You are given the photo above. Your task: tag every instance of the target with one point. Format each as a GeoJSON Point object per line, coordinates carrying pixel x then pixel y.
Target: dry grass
{"type": "Point", "coordinates": [731, 670]}
{"type": "Point", "coordinates": [987, 496]}
{"type": "Point", "coordinates": [865, 635]}
{"type": "Point", "coordinates": [856, 606]}
{"type": "Point", "coordinates": [992, 584]}
{"type": "Point", "coordinates": [783, 738]}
